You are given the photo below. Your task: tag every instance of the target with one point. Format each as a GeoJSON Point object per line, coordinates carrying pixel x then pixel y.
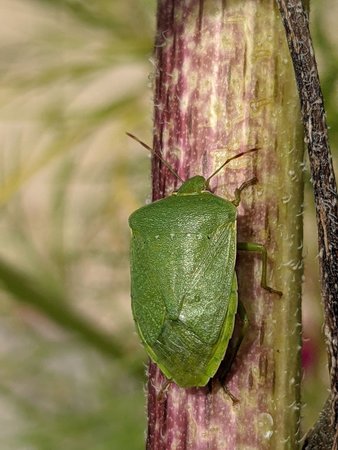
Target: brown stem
{"type": "Point", "coordinates": [224, 84]}
{"type": "Point", "coordinates": [296, 24]}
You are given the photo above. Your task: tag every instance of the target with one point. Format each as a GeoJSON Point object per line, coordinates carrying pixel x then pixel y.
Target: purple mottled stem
{"type": "Point", "coordinates": [224, 84]}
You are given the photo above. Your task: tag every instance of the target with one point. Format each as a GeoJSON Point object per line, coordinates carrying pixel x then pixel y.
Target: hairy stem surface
{"type": "Point", "coordinates": [224, 84]}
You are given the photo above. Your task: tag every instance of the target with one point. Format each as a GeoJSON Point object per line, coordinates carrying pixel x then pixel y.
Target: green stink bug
{"type": "Point", "coordinates": [183, 280]}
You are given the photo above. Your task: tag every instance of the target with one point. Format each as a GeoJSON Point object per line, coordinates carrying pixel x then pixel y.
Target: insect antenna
{"type": "Point", "coordinates": [230, 159]}
{"type": "Point", "coordinates": [154, 152]}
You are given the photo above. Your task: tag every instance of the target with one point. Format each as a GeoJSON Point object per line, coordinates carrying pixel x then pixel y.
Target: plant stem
{"type": "Point", "coordinates": [224, 84]}
{"type": "Point", "coordinates": [296, 25]}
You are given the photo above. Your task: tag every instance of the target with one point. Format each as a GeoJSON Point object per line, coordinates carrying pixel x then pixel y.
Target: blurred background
{"type": "Point", "coordinates": [74, 76]}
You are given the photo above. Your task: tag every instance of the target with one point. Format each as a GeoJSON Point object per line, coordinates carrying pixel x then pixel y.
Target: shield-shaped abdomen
{"type": "Point", "coordinates": [183, 283]}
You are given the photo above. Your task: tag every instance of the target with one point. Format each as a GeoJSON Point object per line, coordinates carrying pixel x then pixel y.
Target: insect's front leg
{"type": "Point", "coordinates": [163, 390]}
{"type": "Point", "coordinates": [259, 248]}
{"type": "Point", "coordinates": [239, 190]}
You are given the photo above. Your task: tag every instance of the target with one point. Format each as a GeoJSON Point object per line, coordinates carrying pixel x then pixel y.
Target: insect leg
{"type": "Point", "coordinates": [163, 390]}
{"type": "Point", "coordinates": [259, 248]}
{"type": "Point", "coordinates": [241, 326]}
{"type": "Point", "coordinates": [239, 190]}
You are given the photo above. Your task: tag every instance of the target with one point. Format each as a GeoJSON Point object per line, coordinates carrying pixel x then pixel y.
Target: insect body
{"type": "Point", "coordinates": [183, 281]}
{"type": "Point", "coordinates": [184, 289]}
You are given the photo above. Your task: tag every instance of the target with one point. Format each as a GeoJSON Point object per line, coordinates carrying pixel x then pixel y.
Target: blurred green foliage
{"type": "Point", "coordinates": [73, 80]}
